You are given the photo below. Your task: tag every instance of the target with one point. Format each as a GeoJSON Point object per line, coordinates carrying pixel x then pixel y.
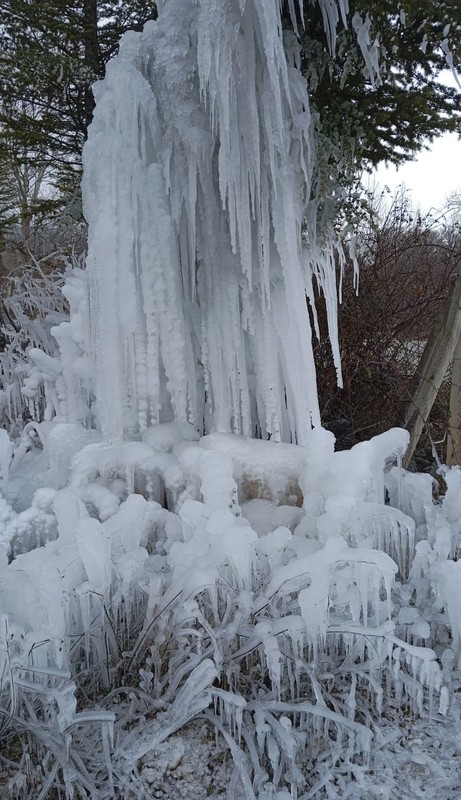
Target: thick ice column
{"type": "Point", "coordinates": [198, 174]}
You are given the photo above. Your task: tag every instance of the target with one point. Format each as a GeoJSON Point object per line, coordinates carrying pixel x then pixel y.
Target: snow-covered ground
{"type": "Point", "coordinates": [411, 758]}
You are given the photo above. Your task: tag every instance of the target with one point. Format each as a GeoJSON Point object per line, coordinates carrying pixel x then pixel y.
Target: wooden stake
{"type": "Point", "coordinates": [433, 366]}
{"type": "Point", "coordinates": [454, 423]}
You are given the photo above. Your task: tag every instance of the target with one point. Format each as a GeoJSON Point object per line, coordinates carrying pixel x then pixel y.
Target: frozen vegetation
{"type": "Point", "coordinates": [159, 567]}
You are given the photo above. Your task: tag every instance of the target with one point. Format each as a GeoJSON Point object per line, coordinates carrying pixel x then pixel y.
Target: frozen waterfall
{"type": "Point", "coordinates": [199, 187]}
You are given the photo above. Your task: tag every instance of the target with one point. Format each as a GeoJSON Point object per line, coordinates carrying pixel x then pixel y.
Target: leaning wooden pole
{"type": "Point", "coordinates": [433, 366]}
{"type": "Point", "coordinates": [454, 421]}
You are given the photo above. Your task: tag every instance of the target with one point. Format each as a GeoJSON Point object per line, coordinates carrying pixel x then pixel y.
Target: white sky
{"type": "Point", "coordinates": [432, 177]}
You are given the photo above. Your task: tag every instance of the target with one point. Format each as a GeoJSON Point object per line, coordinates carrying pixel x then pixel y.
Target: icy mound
{"type": "Point", "coordinates": [143, 581]}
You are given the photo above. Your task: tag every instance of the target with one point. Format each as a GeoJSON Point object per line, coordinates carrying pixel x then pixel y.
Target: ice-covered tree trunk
{"type": "Point", "coordinates": [200, 195]}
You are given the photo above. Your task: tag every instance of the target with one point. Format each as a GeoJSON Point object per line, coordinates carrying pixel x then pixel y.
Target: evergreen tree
{"type": "Point", "coordinates": [417, 40]}
{"type": "Point", "coordinates": [51, 51]}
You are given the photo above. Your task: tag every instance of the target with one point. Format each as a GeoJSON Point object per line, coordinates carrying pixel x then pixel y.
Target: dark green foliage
{"type": "Point", "coordinates": [412, 105]}
{"type": "Point", "coordinates": [51, 51]}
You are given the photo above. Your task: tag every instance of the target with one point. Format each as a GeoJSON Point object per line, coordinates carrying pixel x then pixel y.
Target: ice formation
{"type": "Point", "coordinates": [158, 575]}
{"type": "Point", "coordinates": [200, 178]}
{"type": "Point", "coordinates": [193, 613]}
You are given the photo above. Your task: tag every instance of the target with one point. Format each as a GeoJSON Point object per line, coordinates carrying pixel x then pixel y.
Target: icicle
{"type": "Point", "coordinates": [196, 207]}
{"type": "Point", "coordinates": [5, 458]}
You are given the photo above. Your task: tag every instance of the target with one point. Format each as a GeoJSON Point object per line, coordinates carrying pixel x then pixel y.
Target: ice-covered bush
{"type": "Point", "coordinates": [294, 634]}
{"type": "Point", "coordinates": [33, 303]}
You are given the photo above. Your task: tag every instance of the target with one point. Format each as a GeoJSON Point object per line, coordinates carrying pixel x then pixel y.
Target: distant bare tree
{"type": "Point", "coordinates": [406, 261]}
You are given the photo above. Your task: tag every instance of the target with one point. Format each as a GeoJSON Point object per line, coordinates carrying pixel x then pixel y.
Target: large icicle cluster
{"type": "Point", "coordinates": [198, 180]}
